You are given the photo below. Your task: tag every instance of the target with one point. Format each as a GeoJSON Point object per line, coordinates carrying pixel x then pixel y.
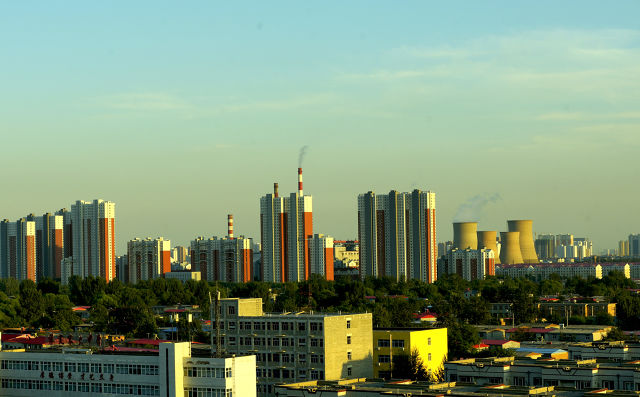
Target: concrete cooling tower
{"type": "Point", "coordinates": [465, 235]}
{"type": "Point", "coordinates": [525, 228]}
{"type": "Point", "coordinates": [510, 251]}
{"type": "Point", "coordinates": [487, 239]}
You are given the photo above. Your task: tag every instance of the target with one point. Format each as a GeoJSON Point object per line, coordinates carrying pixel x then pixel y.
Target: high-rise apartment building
{"type": "Point", "coordinates": [321, 255]}
{"type": "Point", "coordinates": [623, 248]}
{"type": "Point", "coordinates": [286, 226]}
{"type": "Point", "coordinates": [296, 347]}
{"type": "Point", "coordinates": [180, 254]}
{"type": "Point", "coordinates": [49, 245]}
{"type": "Point", "coordinates": [546, 246]}
{"type": "Point", "coordinates": [18, 249]}
{"type": "Point", "coordinates": [122, 268]}
{"type": "Point", "coordinates": [148, 258]}
{"type": "Point", "coordinates": [634, 245]}
{"type": "Point", "coordinates": [227, 259]}
{"type": "Point", "coordinates": [397, 234]}
{"type": "Point", "coordinates": [93, 239]}
{"type": "Point", "coordinates": [469, 264]}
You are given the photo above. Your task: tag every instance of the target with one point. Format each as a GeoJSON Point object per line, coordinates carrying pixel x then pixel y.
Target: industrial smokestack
{"type": "Point", "coordinates": [527, 248]}
{"type": "Point", "coordinates": [275, 189]}
{"type": "Point", "coordinates": [465, 235]}
{"type": "Point", "coordinates": [300, 182]}
{"type": "Point", "coordinates": [487, 239]}
{"type": "Point", "coordinates": [510, 251]}
{"type": "Point", "coordinates": [230, 226]}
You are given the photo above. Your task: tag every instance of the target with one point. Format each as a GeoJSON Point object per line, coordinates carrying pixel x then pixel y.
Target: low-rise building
{"type": "Point", "coordinates": [293, 347]}
{"type": "Point", "coordinates": [429, 344]}
{"type": "Point", "coordinates": [183, 276]}
{"type": "Point", "coordinates": [168, 371]}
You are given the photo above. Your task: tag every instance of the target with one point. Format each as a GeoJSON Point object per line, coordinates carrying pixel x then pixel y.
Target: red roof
{"type": "Point", "coordinates": [6, 337]}
{"type": "Point", "coordinates": [495, 342]}
{"type": "Point", "coordinates": [480, 346]}
{"type": "Point", "coordinates": [81, 308]}
{"type": "Point", "coordinates": [128, 349]}
{"type": "Point", "coordinates": [153, 342]}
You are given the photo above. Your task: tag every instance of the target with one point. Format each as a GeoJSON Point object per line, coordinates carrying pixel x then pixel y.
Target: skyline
{"type": "Point", "coordinates": [181, 115]}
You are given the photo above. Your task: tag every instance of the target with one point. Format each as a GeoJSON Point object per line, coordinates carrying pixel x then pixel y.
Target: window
{"type": "Point", "coordinates": [384, 358]}
{"type": "Point", "coordinates": [349, 371]}
{"type": "Point", "coordinates": [429, 357]}
{"type": "Point", "coordinates": [302, 326]}
{"type": "Point", "coordinates": [348, 339]}
{"type": "Point", "coordinates": [348, 324]}
{"type": "Point", "coordinates": [302, 342]}
{"type": "Point", "coordinates": [231, 310]}
{"type": "Point", "coordinates": [398, 343]}
{"type": "Point", "coordinates": [383, 342]}
{"type": "Point", "coordinates": [429, 341]}
{"type": "Point", "coordinates": [349, 357]}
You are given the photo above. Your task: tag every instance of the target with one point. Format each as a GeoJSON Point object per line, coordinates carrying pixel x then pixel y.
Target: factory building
{"type": "Point", "coordinates": [228, 259]}
{"type": "Point", "coordinates": [397, 234]}
{"type": "Point", "coordinates": [286, 227]}
{"type": "Point", "coordinates": [148, 258]}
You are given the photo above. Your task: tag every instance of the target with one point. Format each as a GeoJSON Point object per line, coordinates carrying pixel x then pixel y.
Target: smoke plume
{"type": "Point", "coordinates": [472, 209]}
{"type": "Point", "coordinates": [303, 152]}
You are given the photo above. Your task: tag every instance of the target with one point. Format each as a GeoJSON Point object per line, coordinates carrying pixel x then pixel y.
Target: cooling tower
{"type": "Point", "coordinates": [465, 235]}
{"type": "Point", "coordinates": [510, 251]}
{"type": "Point", "coordinates": [525, 228]}
{"type": "Point", "coordinates": [487, 239]}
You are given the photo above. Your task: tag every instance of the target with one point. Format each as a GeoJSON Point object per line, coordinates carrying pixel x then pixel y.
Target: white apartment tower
{"type": "Point", "coordinates": [148, 258]}
{"type": "Point", "coordinates": [286, 225]}
{"type": "Point", "coordinates": [93, 239]}
{"type": "Point", "coordinates": [397, 233]}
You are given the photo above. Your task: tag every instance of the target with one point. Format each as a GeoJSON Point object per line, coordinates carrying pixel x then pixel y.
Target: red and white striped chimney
{"type": "Point", "coordinates": [300, 182]}
{"type": "Point", "coordinates": [230, 226]}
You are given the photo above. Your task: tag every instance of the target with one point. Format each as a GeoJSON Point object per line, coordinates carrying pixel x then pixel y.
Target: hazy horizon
{"type": "Point", "coordinates": [181, 114]}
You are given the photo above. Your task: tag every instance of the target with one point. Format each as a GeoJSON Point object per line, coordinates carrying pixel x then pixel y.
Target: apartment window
{"type": "Point", "coordinates": [349, 357]}
{"type": "Point", "coordinates": [348, 339]}
{"type": "Point", "coordinates": [314, 359]}
{"type": "Point", "coordinates": [384, 358]}
{"type": "Point", "coordinates": [275, 326]}
{"type": "Point", "coordinates": [302, 342]}
{"type": "Point", "coordinates": [349, 371]}
{"type": "Point", "coordinates": [429, 341]}
{"type": "Point", "coordinates": [302, 326]}
{"type": "Point", "coordinates": [398, 343]}
{"type": "Point", "coordinates": [231, 310]}
{"type": "Point", "coordinates": [232, 341]}
{"type": "Point", "coordinates": [232, 325]}
{"type": "Point", "coordinates": [383, 342]}
{"type": "Point", "coordinates": [429, 357]}
{"type": "Point", "coordinates": [302, 358]}
{"type": "Point", "coordinates": [348, 324]}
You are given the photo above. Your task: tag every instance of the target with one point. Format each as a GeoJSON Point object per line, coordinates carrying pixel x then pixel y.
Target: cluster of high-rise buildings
{"type": "Point", "coordinates": [630, 247]}
{"type": "Point", "coordinates": [563, 247]}
{"type": "Point", "coordinates": [80, 241]}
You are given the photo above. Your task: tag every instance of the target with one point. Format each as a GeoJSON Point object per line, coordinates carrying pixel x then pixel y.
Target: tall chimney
{"type": "Point", "coordinates": [230, 226]}
{"type": "Point", "coordinates": [300, 182]}
{"type": "Point", "coordinates": [275, 189]}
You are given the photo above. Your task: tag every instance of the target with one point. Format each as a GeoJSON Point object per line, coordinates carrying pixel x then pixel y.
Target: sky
{"type": "Point", "coordinates": [183, 112]}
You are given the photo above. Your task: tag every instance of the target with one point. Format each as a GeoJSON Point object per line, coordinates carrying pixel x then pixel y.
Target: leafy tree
{"type": "Point", "coordinates": [409, 366]}
{"type": "Point", "coordinates": [31, 303]}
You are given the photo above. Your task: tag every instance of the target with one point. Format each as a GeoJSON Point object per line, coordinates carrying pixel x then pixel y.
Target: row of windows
{"type": "Point", "coordinates": [395, 343]}
{"type": "Point", "coordinates": [274, 342]}
{"type": "Point", "coordinates": [127, 369]}
{"type": "Point", "coordinates": [207, 392]}
{"type": "Point", "coordinates": [385, 358]}
{"type": "Point", "coordinates": [286, 358]}
{"type": "Point", "coordinates": [273, 326]}
{"type": "Point", "coordinates": [207, 372]}
{"type": "Point", "coordinates": [284, 373]}
{"type": "Point", "coordinates": [108, 388]}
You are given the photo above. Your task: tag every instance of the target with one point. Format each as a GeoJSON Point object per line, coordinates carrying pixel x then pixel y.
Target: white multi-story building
{"type": "Point", "coordinates": [170, 372]}
{"type": "Point", "coordinates": [321, 255]}
{"type": "Point", "coordinates": [291, 347]}
{"type": "Point", "coordinates": [148, 258]}
{"type": "Point", "coordinates": [469, 264]}
{"type": "Point", "coordinates": [93, 239]}
{"type": "Point", "coordinates": [286, 225]}
{"type": "Point", "coordinates": [397, 234]}
{"type": "Point", "coordinates": [542, 271]}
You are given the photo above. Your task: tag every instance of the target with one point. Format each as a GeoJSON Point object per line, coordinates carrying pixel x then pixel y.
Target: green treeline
{"type": "Point", "coordinates": [127, 309]}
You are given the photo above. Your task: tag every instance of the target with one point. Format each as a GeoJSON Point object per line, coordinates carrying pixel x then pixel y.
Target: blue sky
{"type": "Point", "coordinates": [182, 113]}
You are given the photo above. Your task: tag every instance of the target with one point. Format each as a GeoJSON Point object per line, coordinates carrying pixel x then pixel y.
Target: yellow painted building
{"type": "Point", "coordinates": [431, 345]}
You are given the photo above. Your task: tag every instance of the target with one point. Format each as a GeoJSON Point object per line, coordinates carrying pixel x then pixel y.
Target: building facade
{"type": "Point", "coordinates": [225, 259]}
{"type": "Point", "coordinates": [18, 249]}
{"type": "Point", "coordinates": [397, 234]}
{"type": "Point", "coordinates": [469, 264]}
{"type": "Point", "coordinates": [148, 258]}
{"type": "Point", "coordinates": [634, 245]}
{"type": "Point", "coordinates": [429, 344]}
{"type": "Point", "coordinates": [172, 371]}
{"type": "Point", "coordinates": [286, 227]}
{"type": "Point", "coordinates": [93, 239]}
{"type": "Point", "coordinates": [291, 347]}
{"type": "Point", "coordinates": [321, 255]}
